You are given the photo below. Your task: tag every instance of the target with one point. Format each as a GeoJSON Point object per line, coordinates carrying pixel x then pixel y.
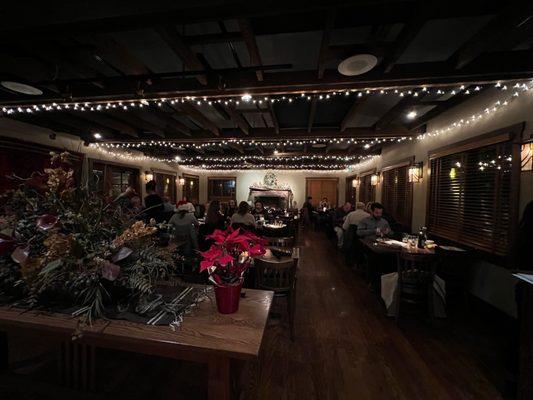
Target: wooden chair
{"type": "Point", "coordinates": [287, 241]}
{"type": "Point", "coordinates": [416, 273]}
{"type": "Point", "coordinates": [280, 277]}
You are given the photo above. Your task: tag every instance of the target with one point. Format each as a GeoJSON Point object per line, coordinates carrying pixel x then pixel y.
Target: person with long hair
{"type": "Point", "coordinates": [214, 218]}
{"type": "Point", "coordinates": [230, 209]}
{"type": "Point", "coordinates": [243, 215]}
{"type": "Point", "coordinates": [525, 239]}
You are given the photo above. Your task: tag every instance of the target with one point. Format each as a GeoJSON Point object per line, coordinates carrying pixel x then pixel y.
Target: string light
{"type": "Point", "coordinates": [129, 104]}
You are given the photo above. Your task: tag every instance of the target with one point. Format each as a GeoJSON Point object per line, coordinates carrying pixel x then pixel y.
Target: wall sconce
{"type": "Point", "coordinates": [148, 176]}
{"type": "Point", "coordinates": [181, 181]}
{"type": "Point", "coordinates": [374, 179]}
{"type": "Point", "coordinates": [415, 172]}
{"type": "Point", "coordinates": [355, 183]}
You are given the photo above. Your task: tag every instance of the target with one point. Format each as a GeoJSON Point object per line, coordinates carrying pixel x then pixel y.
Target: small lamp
{"type": "Point", "coordinates": [181, 181]}
{"type": "Point", "coordinates": [148, 176]}
{"type": "Point", "coordinates": [355, 183]}
{"type": "Point", "coordinates": [415, 172]}
{"type": "Point", "coordinates": [374, 179]}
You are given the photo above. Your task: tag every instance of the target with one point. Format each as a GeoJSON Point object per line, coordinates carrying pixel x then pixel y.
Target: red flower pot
{"type": "Point", "coordinates": [228, 297]}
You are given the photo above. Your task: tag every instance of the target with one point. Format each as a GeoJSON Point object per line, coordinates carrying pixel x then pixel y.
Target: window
{"type": "Point", "coordinates": [397, 194]}
{"type": "Point", "coordinates": [166, 185]}
{"type": "Point", "coordinates": [350, 189]}
{"type": "Point", "coordinates": [191, 188]}
{"type": "Point", "coordinates": [222, 189]}
{"type": "Point", "coordinates": [470, 199]}
{"type": "Point", "coordinates": [366, 190]}
{"type": "Point", "coordinates": [112, 180]}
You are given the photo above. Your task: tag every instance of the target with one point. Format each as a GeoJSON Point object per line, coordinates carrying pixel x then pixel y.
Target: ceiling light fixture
{"type": "Point", "coordinates": [412, 114]}
{"type": "Point", "coordinates": [246, 97]}
{"type": "Point", "coordinates": [357, 65]}
{"type": "Point", "coordinates": [21, 88]}
{"type": "Point", "coordinates": [97, 135]}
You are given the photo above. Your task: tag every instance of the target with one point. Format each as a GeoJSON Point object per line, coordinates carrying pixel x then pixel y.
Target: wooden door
{"type": "Point", "coordinates": [318, 188]}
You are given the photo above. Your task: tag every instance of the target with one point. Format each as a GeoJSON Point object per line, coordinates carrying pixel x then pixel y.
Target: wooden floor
{"type": "Point", "coordinates": [345, 348]}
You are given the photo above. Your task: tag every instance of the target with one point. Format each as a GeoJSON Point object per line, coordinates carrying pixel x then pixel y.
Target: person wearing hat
{"type": "Point", "coordinates": [184, 223]}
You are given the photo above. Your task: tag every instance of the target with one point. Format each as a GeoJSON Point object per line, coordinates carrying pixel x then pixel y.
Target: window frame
{"type": "Point", "coordinates": [513, 135]}
{"type": "Point", "coordinates": [222, 199]}
{"type": "Point", "coordinates": [405, 163]}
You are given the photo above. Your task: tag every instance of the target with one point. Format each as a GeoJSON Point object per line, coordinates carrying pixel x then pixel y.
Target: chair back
{"type": "Point", "coordinates": [287, 241]}
{"type": "Point", "coordinates": [278, 276]}
{"type": "Point", "coordinates": [415, 269]}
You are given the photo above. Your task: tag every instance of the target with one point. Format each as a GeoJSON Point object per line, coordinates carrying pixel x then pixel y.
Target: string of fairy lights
{"type": "Point", "coordinates": [294, 162]}
{"type": "Point", "coordinates": [245, 98]}
{"type": "Point", "coordinates": [281, 143]}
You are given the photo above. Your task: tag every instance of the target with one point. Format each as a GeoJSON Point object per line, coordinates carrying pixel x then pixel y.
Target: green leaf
{"type": "Point", "coordinates": [51, 266]}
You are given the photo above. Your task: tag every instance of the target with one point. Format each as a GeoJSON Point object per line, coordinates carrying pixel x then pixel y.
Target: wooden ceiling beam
{"type": "Point", "coordinates": [444, 106]}
{"type": "Point", "coordinates": [132, 119]}
{"type": "Point", "coordinates": [273, 117]}
{"type": "Point", "coordinates": [508, 29]}
{"type": "Point", "coordinates": [109, 121]}
{"type": "Point", "coordinates": [173, 39]}
{"type": "Point", "coordinates": [237, 119]}
{"type": "Point", "coordinates": [251, 44]}
{"type": "Point", "coordinates": [352, 112]}
{"type": "Point", "coordinates": [312, 113]}
{"type": "Point", "coordinates": [406, 36]}
{"type": "Point", "coordinates": [324, 45]}
{"type": "Point", "coordinates": [200, 118]}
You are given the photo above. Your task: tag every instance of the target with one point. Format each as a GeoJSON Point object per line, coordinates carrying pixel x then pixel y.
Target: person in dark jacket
{"type": "Point", "coordinates": [153, 203]}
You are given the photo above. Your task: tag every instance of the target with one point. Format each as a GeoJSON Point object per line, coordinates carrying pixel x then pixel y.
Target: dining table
{"type": "Point", "coordinates": [204, 336]}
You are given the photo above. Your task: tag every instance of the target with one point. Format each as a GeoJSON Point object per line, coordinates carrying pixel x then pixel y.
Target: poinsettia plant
{"type": "Point", "coordinates": [230, 255]}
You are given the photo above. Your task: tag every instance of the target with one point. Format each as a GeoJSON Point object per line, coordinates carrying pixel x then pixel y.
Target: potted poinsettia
{"type": "Point", "coordinates": [226, 262]}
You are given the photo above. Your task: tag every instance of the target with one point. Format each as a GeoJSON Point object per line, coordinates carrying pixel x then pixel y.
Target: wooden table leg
{"type": "Point", "coordinates": [219, 384]}
{"type": "Point", "coordinates": [4, 352]}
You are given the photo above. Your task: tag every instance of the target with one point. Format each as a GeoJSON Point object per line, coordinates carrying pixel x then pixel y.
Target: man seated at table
{"type": "Point", "coordinates": [373, 225]}
{"type": "Point", "coordinates": [355, 217]}
{"type": "Point", "coordinates": [338, 220]}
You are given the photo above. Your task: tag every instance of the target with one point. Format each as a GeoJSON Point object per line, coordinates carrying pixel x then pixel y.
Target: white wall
{"type": "Point", "coordinates": [295, 179]}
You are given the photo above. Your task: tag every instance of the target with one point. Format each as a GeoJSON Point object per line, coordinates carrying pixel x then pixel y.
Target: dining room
{"type": "Point", "coordinates": [260, 200]}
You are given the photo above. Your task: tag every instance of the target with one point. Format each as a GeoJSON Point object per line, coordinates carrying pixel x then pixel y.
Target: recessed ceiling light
{"type": "Point", "coordinates": [276, 151]}
{"type": "Point", "coordinates": [246, 97]}
{"type": "Point", "coordinates": [357, 65]}
{"type": "Point", "coordinates": [411, 114]}
{"type": "Point", "coordinates": [21, 88]}
{"type": "Point", "coordinates": [97, 135]}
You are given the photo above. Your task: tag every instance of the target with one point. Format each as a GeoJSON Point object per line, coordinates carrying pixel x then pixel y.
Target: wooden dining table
{"type": "Point", "coordinates": [205, 336]}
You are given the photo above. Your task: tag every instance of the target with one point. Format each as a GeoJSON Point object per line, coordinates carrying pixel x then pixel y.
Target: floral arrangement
{"type": "Point", "coordinates": [230, 255]}
{"type": "Point", "coordinates": [61, 246]}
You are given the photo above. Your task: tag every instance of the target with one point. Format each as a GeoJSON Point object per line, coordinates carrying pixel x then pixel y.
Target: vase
{"type": "Point", "coordinates": [228, 296]}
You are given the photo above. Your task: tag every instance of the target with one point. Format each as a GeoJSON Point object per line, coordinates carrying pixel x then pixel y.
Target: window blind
{"type": "Point", "coordinates": [470, 197]}
{"type": "Point", "coordinates": [397, 194]}
{"type": "Point", "coordinates": [366, 190]}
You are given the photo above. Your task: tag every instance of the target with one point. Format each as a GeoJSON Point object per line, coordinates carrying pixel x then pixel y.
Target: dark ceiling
{"type": "Point", "coordinates": [100, 50]}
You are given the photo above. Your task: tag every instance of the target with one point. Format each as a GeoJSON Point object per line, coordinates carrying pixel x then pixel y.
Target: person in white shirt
{"type": "Point", "coordinates": [354, 217]}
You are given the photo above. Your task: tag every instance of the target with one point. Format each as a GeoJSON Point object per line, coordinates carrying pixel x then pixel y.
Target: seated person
{"type": "Point", "coordinates": [355, 217]}
{"type": "Point", "coordinates": [324, 204]}
{"type": "Point", "coordinates": [243, 215]}
{"type": "Point", "coordinates": [374, 225]}
{"type": "Point", "coordinates": [338, 221]}
{"type": "Point", "coordinates": [259, 210]}
{"type": "Point", "coordinates": [231, 209]}
{"type": "Point", "coordinates": [214, 218]}
{"type": "Point", "coordinates": [183, 225]}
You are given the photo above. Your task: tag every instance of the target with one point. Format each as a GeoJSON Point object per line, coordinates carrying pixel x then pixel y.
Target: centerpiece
{"type": "Point", "coordinates": [226, 262]}
{"type": "Point", "coordinates": [65, 249]}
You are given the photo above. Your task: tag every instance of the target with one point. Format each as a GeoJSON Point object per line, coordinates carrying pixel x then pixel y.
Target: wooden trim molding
{"type": "Point", "coordinates": [487, 139]}
{"type": "Point", "coordinates": [402, 163]}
